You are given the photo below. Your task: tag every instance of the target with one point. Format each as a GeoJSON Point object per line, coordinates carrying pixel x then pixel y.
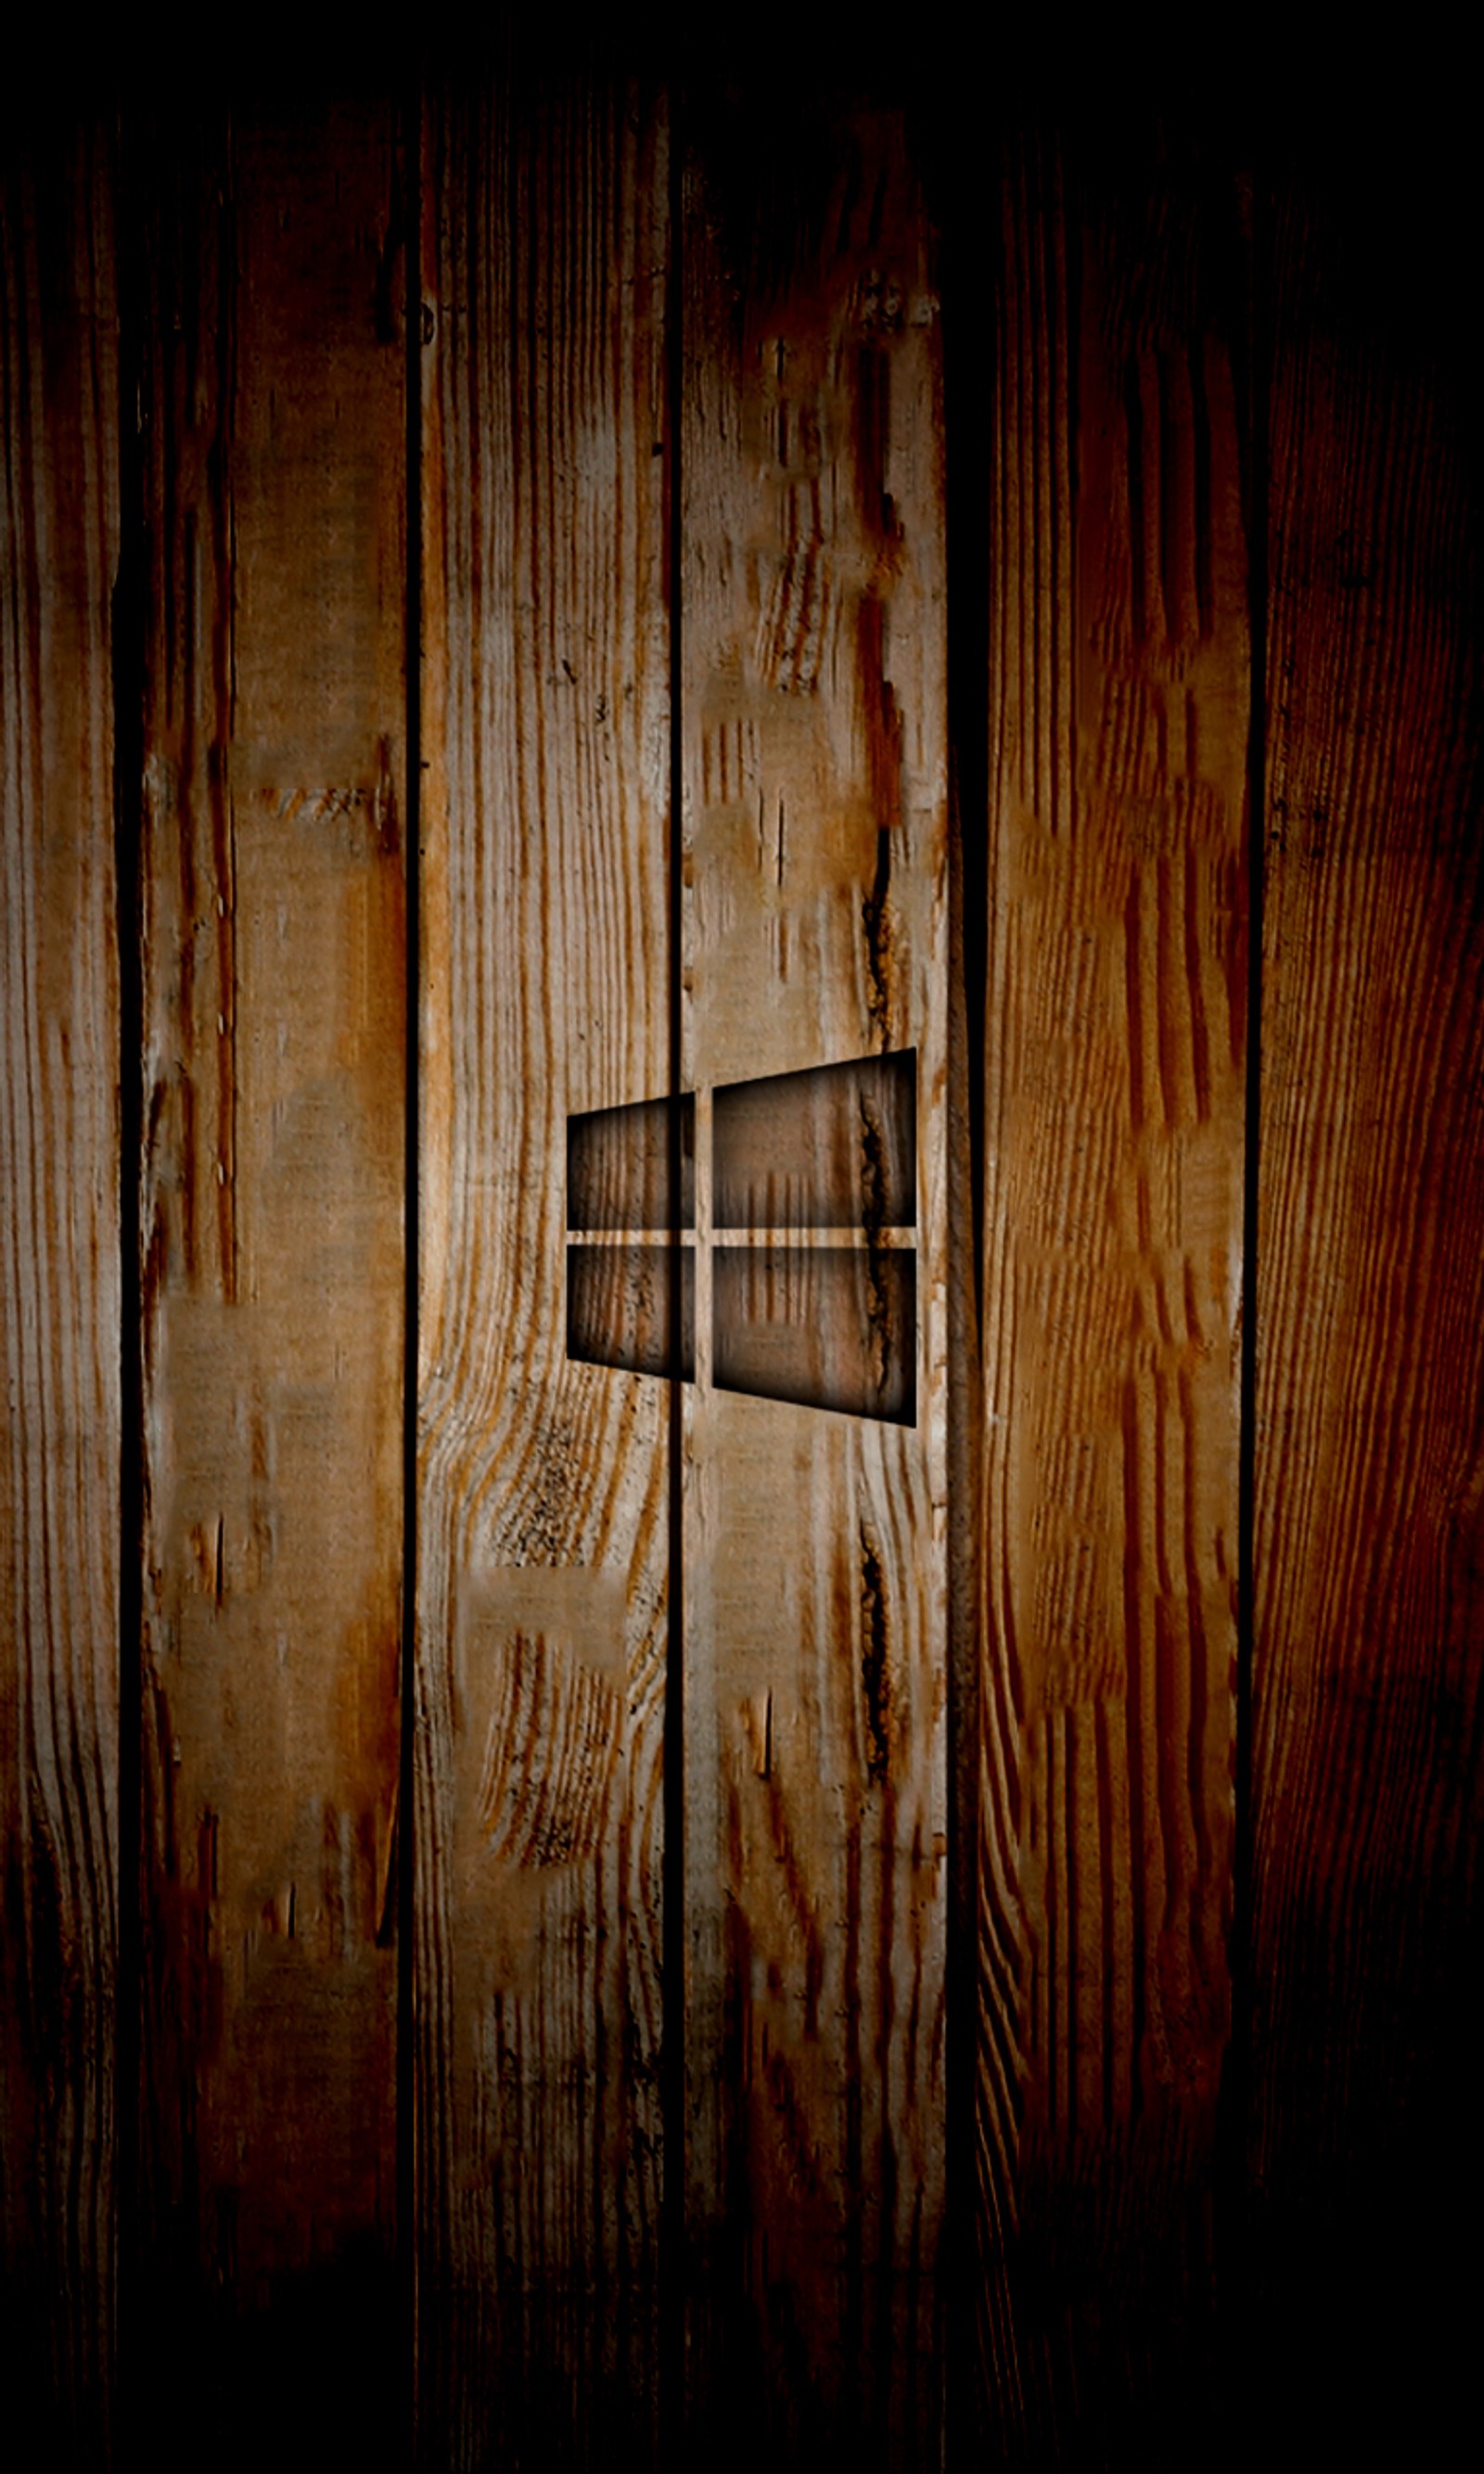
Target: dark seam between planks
{"type": "Point", "coordinates": [1236, 2092]}
{"type": "Point", "coordinates": [672, 2279]}
{"type": "Point", "coordinates": [128, 679]}
{"type": "Point", "coordinates": [966, 381]}
{"type": "Point", "coordinates": [410, 174]}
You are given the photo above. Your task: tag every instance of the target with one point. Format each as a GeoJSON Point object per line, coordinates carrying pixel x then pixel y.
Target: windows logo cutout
{"type": "Point", "coordinates": [813, 1296]}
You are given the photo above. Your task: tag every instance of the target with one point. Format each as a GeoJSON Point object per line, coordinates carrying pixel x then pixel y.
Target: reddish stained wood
{"type": "Point", "coordinates": [272, 930]}
{"type": "Point", "coordinates": [1368, 1731]}
{"type": "Point", "coordinates": [272, 949]}
{"type": "Point", "coordinates": [544, 1548]}
{"type": "Point", "coordinates": [58, 1285]}
{"type": "Point", "coordinates": [816, 846]}
{"type": "Point", "coordinates": [1113, 1148]}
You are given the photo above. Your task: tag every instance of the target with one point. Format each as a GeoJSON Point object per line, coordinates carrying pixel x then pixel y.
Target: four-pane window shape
{"type": "Point", "coordinates": [812, 1191]}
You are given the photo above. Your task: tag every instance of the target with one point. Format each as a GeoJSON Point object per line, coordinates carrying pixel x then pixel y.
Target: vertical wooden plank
{"type": "Point", "coordinates": [543, 1549]}
{"type": "Point", "coordinates": [272, 928]}
{"type": "Point", "coordinates": [815, 757]}
{"type": "Point", "coordinates": [58, 1283]}
{"type": "Point", "coordinates": [1113, 1198]}
{"type": "Point", "coordinates": [1365, 2157]}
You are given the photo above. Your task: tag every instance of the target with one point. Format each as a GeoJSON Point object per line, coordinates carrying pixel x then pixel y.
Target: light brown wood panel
{"type": "Point", "coordinates": [543, 1544]}
{"type": "Point", "coordinates": [272, 934]}
{"type": "Point", "coordinates": [1365, 2160]}
{"type": "Point", "coordinates": [815, 754]}
{"type": "Point", "coordinates": [1113, 1151]}
{"type": "Point", "coordinates": [58, 1283]}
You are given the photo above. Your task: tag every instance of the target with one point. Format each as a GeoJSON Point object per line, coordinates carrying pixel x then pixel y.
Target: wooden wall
{"type": "Point", "coordinates": [60, 1182]}
{"type": "Point", "coordinates": [1115, 1156]}
{"type": "Point", "coordinates": [551, 1909]}
{"type": "Point", "coordinates": [265, 578]}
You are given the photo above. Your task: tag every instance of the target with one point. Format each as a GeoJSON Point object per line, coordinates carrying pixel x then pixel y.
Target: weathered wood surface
{"type": "Point", "coordinates": [58, 1285]}
{"type": "Point", "coordinates": [1365, 2164]}
{"type": "Point", "coordinates": [543, 1533]}
{"type": "Point", "coordinates": [815, 787]}
{"type": "Point", "coordinates": [272, 943]}
{"type": "Point", "coordinates": [259, 612]}
{"type": "Point", "coordinates": [1113, 1137]}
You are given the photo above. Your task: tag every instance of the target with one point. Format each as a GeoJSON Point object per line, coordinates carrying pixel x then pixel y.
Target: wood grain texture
{"type": "Point", "coordinates": [544, 1547]}
{"type": "Point", "coordinates": [272, 938]}
{"type": "Point", "coordinates": [814, 755]}
{"type": "Point", "coordinates": [1368, 1742]}
{"type": "Point", "coordinates": [59, 1284]}
{"type": "Point", "coordinates": [1113, 1188]}
{"type": "Point", "coordinates": [257, 607]}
